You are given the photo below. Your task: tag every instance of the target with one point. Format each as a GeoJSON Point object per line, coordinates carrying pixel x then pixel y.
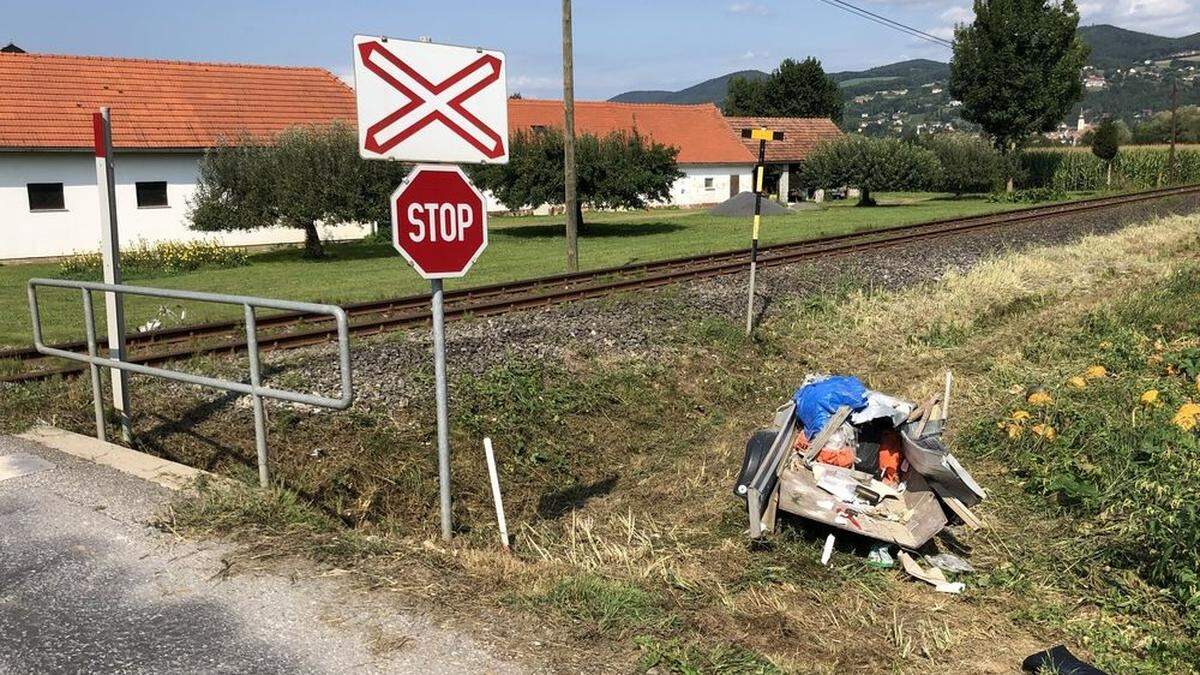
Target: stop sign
{"type": "Point", "coordinates": [439, 223]}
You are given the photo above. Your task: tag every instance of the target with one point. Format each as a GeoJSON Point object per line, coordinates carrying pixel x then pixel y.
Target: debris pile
{"type": "Point", "coordinates": [742, 204]}
{"type": "Point", "coordinates": [864, 462]}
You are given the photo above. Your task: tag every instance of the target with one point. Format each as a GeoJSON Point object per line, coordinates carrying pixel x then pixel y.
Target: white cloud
{"type": "Point", "coordinates": [752, 55]}
{"type": "Point", "coordinates": [756, 8]}
{"type": "Point", "coordinates": [1169, 17]}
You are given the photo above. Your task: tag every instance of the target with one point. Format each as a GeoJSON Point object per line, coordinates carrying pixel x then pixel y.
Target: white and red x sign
{"type": "Point", "coordinates": [425, 102]}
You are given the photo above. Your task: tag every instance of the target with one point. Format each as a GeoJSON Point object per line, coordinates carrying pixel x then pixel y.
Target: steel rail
{"type": "Point", "coordinates": [396, 313]}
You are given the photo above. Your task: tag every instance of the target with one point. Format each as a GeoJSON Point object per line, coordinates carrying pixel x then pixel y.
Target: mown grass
{"type": "Point", "coordinates": [629, 548]}
{"type": "Point", "coordinates": [519, 247]}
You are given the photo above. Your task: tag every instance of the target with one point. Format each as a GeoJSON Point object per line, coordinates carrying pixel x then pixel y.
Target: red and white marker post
{"type": "Point", "coordinates": [110, 253]}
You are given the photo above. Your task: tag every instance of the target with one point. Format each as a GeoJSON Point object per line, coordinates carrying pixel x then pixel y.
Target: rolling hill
{"type": "Point", "coordinates": [914, 91]}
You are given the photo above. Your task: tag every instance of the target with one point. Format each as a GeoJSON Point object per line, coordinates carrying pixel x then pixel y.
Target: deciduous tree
{"type": "Point", "coordinates": [619, 170]}
{"type": "Point", "coordinates": [794, 89]}
{"type": "Point", "coordinates": [1017, 68]}
{"type": "Point", "coordinates": [870, 164]}
{"type": "Point", "coordinates": [968, 163]}
{"type": "Point", "coordinates": [1106, 142]}
{"type": "Point", "coordinates": [302, 177]}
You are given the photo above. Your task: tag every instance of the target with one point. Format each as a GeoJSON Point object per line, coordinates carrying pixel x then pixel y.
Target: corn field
{"type": "Point", "coordinates": [1134, 168]}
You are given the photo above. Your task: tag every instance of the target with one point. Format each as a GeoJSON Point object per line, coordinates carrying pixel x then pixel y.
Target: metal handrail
{"type": "Point", "coordinates": [254, 389]}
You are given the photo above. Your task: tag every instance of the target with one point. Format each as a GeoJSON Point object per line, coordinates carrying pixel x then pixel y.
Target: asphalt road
{"type": "Point", "coordinates": [87, 586]}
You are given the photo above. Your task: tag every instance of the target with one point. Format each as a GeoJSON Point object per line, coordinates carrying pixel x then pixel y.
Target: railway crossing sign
{"type": "Point", "coordinates": [439, 221]}
{"type": "Point", "coordinates": [425, 102]}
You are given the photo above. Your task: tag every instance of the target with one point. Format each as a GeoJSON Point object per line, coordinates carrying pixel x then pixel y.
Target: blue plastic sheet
{"type": "Point", "coordinates": [817, 401]}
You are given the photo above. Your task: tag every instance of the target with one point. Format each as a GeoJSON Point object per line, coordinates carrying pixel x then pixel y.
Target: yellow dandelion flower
{"type": "Point", "coordinates": [1077, 382]}
{"type": "Point", "coordinates": [1040, 398]}
{"type": "Point", "coordinates": [1015, 430]}
{"type": "Point", "coordinates": [1105, 344]}
{"type": "Point", "coordinates": [1094, 372]}
{"type": "Point", "coordinates": [1187, 417]}
{"type": "Point", "coordinates": [1150, 397]}
{"type": "Point", "coordinates": [1019, 415]}
{"type": "Point", "coordinates": [1045, 431]}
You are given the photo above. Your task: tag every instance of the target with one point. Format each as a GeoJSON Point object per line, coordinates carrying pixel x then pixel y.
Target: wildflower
{"type": "Point", "coordinates": [1015, 430]}
{"type": "Point", "coordinates": [1094, 372]}
{"type": "Point", "coordinates": [1019, 415]}
{"type": "Point", "coordinates": [1105, 344]}
{"type": "Point", "coordinates": [1040, 398]}
{"type": "Point", "coordinates": [1045, 431]}
{"type": "Point", "coordinates": [1188, 416]}
{"type": "Point", "coordinates": [1077, 382]}
{"type": "Point", "coordinates": [1150, 397]}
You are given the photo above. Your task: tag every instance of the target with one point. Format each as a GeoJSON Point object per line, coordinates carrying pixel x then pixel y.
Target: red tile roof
{"type": "Point", "coordinates": [699, 131]}
{"type": "Point", "coordinates": [46, 101]}
{"type": "Point", "coordinates": [800, 135]}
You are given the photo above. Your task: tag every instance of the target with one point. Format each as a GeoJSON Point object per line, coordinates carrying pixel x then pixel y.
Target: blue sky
{"type": "Point", "coordinates": [619, 44]}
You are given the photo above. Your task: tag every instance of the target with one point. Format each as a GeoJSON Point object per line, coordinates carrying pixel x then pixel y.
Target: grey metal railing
{"type": "Point", "coordinates": [254, 389]}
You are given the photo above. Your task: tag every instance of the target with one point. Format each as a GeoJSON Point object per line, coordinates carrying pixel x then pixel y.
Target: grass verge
{"type": "Point", "coordinates": [629, 550]}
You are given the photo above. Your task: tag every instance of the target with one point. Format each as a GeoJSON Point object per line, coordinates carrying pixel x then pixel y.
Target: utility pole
{"type": "Point", "coordinates": [571, 202]}
{"type": "Point", "coordinates": [1174, 129]}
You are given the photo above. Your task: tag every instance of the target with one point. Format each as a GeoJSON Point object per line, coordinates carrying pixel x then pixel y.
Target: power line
{"type": "Point", "coordinates": [887, 23]}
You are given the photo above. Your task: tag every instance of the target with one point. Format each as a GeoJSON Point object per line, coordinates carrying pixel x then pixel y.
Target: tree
{"type": "Point", "coordinates": [619, 170]}
{"type": "Point", "coordinates": [304, 176]}
{"type": "Point", "coordinates": [1106, 142]}
{"type": "Point", "coordinates": [870, 164]}
{"type": "Point", "coordinates": [968, 163]}
{"type": "Point", "coordinates": [794, 89]}
{"type": "Point", "coordinates": [1017, 68]}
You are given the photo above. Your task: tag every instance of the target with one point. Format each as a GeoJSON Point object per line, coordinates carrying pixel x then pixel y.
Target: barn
{"type": "Point", "coordinates": [165, 114]}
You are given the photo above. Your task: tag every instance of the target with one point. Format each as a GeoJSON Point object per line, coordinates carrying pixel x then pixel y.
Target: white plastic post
{"type": "Point", "coordinates": [495, 479]}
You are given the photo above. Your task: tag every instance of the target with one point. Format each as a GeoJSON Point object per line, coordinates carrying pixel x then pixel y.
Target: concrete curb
{"type": "Point", "coordinates": [168, 474]}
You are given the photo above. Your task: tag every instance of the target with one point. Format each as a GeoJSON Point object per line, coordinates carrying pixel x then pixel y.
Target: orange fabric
{"type": "Point", "coordinates": [843, 457]}
{"type": "Point", "coordinates": [48, 101]}
{"type": "Point", "coordinates": [699, 131]}
{"type": "Point", "coordinates": [891, 454]}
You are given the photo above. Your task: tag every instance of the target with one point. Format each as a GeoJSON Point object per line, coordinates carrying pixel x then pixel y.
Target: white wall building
{"type": "Point", "coordinates": [165, 113]}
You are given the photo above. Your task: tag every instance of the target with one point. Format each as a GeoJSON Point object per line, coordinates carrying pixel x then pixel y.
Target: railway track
{"type": "Point", "coordinates": [288, 330]}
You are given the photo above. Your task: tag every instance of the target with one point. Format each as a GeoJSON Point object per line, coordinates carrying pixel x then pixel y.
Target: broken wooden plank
{"type": "Point", "coordinates": [822, 438]}
{"type": "Point", "coordinates": [969, 519]}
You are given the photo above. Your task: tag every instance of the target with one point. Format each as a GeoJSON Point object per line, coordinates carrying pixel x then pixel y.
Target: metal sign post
{"type": "Point", "coordinates": [762, 135]}
{"type": "Point", "coordinates": [110, 251]}
{"type": "Point", "coordinates": [426, 102]}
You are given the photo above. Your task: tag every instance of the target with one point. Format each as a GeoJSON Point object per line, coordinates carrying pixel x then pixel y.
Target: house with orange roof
{"type": "Point", "coordinates": [801, 135]}
{"type": "Point", "coordinates": [711, 156]}
{"type": "Point", "coordinates": [165, 114]}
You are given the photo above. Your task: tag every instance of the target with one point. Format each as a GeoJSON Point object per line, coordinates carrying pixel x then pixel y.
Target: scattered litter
{"type": "Point", "coordinates": [1058, 660]}
{"type": "Point", "coordinates": [949, 562]}
{"type": "Point", "coordinates": [742, 204]}
{"type": "Point", "coordinates": [932, 576]}
{"type": "Point", "coordinates": [881, 557]}
{"type": "Point", "coordinates": [864, 462]}
{"type": "Point", "coordinates": [828, 552]}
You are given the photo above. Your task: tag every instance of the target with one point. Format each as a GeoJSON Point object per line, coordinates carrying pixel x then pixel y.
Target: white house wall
{"type": "Point", "coordinates": [691, 190]}
{"type": "Point", "coordinates": [76, 228]}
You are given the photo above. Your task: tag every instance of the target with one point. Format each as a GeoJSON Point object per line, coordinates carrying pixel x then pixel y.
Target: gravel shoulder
{"type": "Point", "coordinates": [87, 586]}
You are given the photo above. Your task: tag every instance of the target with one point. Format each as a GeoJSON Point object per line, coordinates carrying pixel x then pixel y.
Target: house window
{"type": "Point", "coordinates": [151, 194]}
{"type": "Point", "coordinates": [708, 183]}
{"type": "Point", "coordinates": [46, 197]}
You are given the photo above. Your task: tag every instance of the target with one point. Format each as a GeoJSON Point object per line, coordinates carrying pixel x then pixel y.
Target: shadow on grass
{"type": "Point", "coordinates": [558, 504]}
{"type": "Point", "coordinates": [336, 252]}
{"type": "Point", "coordinates": [590, 230]}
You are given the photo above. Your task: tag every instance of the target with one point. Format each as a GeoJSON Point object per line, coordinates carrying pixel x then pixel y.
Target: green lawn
{"type": "Point", "coordinates": [520, 247]}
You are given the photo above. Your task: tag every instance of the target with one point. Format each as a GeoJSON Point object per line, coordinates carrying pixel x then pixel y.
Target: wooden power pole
{"type": "Point", "coordinates": [571, 203]}
{"type": "Point", "coordinates": [1174, 129]}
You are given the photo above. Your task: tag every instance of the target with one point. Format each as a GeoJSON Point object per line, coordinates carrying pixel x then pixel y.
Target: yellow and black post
{"type": "Point", "coordinates": [762, 136]}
